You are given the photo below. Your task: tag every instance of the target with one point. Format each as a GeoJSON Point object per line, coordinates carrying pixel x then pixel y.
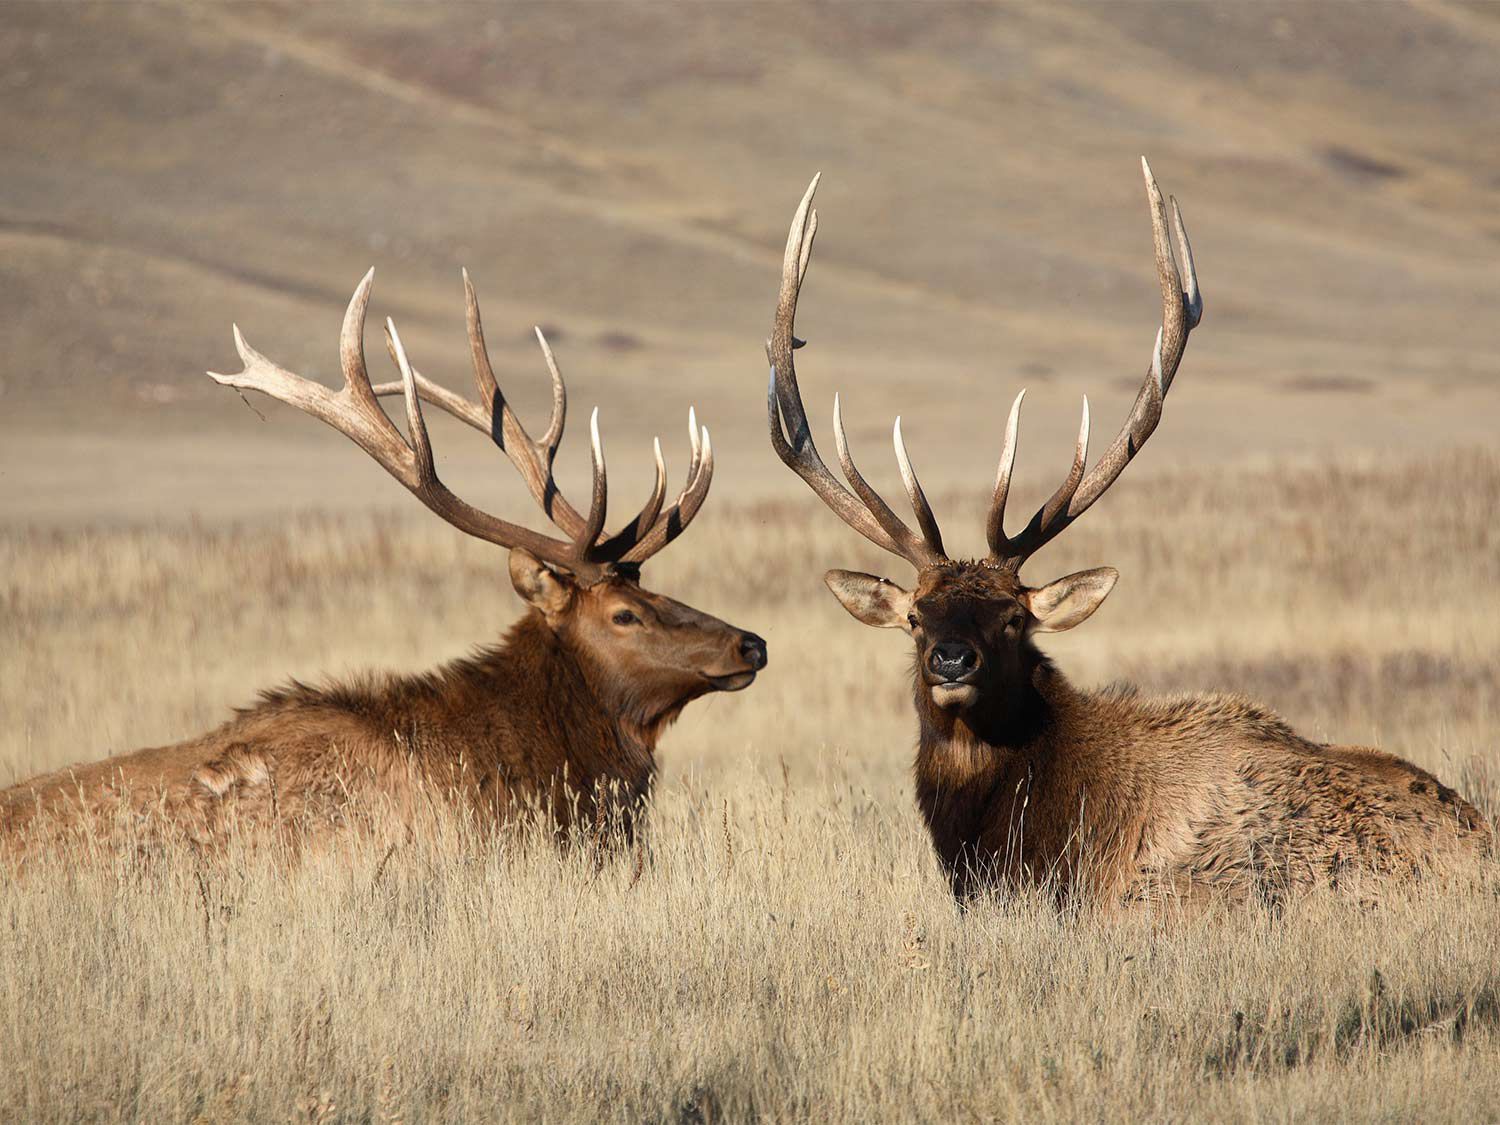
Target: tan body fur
{"type": "Point", "coordinates": [562, 715]}
{"type": "Point", "coordinates": [1118, 799]}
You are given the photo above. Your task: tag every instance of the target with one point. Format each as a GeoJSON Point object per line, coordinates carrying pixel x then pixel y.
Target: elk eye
{"type": "Point", "coordinates": [911, 619]}
{"type": "Point", "coordinates": [625, 617]}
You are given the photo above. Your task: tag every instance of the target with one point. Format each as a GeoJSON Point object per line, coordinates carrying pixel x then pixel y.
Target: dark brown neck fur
{"type": "Point", "coordinates": [970, 762]}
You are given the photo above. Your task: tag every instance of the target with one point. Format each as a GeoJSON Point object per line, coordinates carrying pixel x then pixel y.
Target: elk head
{"type": "Point", "coordinates": [645, 650]}
{"type": "Point", "coordinates": [972, 621]}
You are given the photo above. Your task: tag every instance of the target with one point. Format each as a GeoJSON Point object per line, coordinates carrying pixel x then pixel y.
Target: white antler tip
{"type": "Point", "coordinates": [597, 447]}
{"type": "Point", "coordinates": [900, 444]}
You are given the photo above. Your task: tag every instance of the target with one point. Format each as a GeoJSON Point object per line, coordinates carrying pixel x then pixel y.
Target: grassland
{"type": "Point", "coordinates": [785, 948]}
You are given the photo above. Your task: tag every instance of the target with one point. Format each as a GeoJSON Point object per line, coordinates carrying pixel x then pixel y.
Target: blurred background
{"type": "Point", "coordinates": [623, 174]}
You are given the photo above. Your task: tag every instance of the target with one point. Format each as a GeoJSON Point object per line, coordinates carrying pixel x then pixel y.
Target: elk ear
{"type": "Point", "coordinates": [875, 601]}
{"type": "Point", "coordinates": [538, 584]}
{"type": "Point", "coordinates": [1070, 601]}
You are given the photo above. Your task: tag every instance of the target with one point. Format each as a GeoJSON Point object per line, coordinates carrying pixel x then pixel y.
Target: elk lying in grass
{"type": "Point", "coordinates": [569, 706]}
{"type": "Point", "coordinates": [1106, 797]}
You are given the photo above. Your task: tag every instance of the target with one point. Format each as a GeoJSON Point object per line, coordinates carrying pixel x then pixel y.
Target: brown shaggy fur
{"type": "Point", "coordinates": [563, 714]}
{"type": "Point", "coordinates": [1111, 799]}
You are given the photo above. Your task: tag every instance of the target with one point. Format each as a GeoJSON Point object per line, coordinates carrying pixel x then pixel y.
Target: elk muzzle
{"type": "Point", "coordinates": [951, 669]}
{"type": "Point", "coordinates": [752, 652]}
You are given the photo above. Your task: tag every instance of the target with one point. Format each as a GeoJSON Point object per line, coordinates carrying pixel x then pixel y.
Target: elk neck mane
{"type": "Point", "coordinates": [568, 700]}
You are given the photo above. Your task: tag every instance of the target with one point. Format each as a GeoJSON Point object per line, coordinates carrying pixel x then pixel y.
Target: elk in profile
{"type": "Point", "coordinates": [1106, 797]}
{"type": "Point", "coordinates": [567, 707]}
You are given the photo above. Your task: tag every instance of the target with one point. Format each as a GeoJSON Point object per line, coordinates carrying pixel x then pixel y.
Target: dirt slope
{"type": "Point", "coordinates": [624, 174]}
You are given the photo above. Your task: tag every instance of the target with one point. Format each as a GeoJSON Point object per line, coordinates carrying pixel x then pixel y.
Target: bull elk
{"type": "Point", "coordinates": [568, 706]}
{"type": "Point", "coordinates": [1106, 798]}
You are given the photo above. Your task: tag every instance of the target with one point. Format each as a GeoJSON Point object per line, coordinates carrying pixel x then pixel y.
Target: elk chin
{"type": "Point", "coordinates": [954, 696]}
{"type": "Point", "coordinates": [735, 681]}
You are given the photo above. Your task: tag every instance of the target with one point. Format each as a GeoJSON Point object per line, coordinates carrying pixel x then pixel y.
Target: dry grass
{"type": "Point", "coordinates": [786, 949]}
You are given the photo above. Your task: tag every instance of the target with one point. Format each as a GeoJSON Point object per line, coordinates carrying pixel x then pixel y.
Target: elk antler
{"type": "Point", "coordinates": [1182, 309]}
{"type": "Point", "coordinates": [355, 412]}
{"type": "Point", "coordinates": [868, 514]}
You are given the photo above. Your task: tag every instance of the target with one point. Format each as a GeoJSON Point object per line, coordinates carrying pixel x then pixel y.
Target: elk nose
{"type": "Point", "coordinates": [753, 650]}
{"type": "Point", "coordinates": [952, 660]}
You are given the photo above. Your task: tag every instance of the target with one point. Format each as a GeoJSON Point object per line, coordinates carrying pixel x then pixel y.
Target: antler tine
{"type": "Point", "coordinates": [416, 425]}
{"type": "Point", "coordinates": [1190, 283]}
{"type": "Point", "coordinates": [695, 443]}
{"type": "Point", "coordinates": [593, 527]}
{"type": "Point", "coordinates": [1051, 517]}
{"type": "Point", "coordinates": [550, 440]}
{"type": "Point", "coordinates": [352, 344]}
{"type": "Point", "coordinates": [621, 541]}
{"type": "Point", "coordinates": [866, 513]}
{"type": "Point", "coordinates": [888, 520]}
{"type": "Point", "coordinates": [1060, 499]}
{"type": "Point", "coordinates": [1182, 310]}
{"type": "Point", "coordinates": [1173, 302]}
{"type": "Point", "coordinates": [350, 410]}
{"type": "Point", "coordinates": [355, 412]}
{"type": "Point", "coordinates": [532, 459]}
{"type": "Point", "coordinates": [783, 338]}
{"type": "Point", "coordinates": [492, 415]}
{"type": "Point", "coordinates": [932, 537]}
{"type": "Point", "coordinates": [674, 521]}
{"type": "Point", "coordinates": [479, 354]}
{"type": "Point", "coordinates": [994, 530]}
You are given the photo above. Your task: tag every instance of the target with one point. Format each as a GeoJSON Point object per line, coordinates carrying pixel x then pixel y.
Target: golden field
{"type": "Point", "coordinates": [785, 947]}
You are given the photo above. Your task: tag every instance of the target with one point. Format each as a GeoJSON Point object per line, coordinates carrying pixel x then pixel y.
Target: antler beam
{"type": "Point", "coordinates": [355, 411]}
{"type": "Point", "coordinates": [867, 513]}
{"type": "Point", "coordinates": [1182, 309]}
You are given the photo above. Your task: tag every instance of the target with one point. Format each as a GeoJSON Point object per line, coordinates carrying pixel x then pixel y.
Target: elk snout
{"type": "Point", "coordinates": [752, 653]}
{"type": "Point", "coordinates": [952, 665]}
{"type": "Point", "coordinates": [753, 650]}
{"type": "Point", "coordinates": [953, 660]}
